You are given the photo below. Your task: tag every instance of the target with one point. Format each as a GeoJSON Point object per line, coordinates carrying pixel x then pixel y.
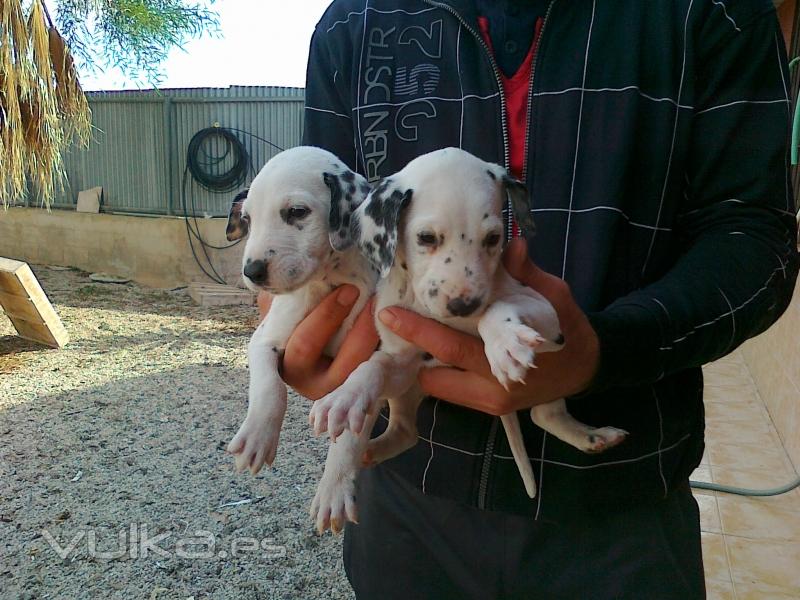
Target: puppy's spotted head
{"type": "Point", "coordinates": [448, 242]}
{"type": "Point", "coordinates": [296, 213]}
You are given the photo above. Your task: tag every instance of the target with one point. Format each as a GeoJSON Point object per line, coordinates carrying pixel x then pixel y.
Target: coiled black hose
{"type": "Point", "coordinates": [205, 167]}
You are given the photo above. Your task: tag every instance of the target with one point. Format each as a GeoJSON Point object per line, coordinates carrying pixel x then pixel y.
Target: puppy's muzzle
{"type": "Point", "coordinates": [463, 307]}
{"type": "Point", "coordinates": [256, 271]}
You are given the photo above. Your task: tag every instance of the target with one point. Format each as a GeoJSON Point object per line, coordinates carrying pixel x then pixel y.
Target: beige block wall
{"type": "Point", "coordinates": [774, 361]}
{"type": "Point", "coordinates": [153, 251]}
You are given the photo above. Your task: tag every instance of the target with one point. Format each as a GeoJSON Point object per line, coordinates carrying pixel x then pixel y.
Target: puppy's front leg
{"type": "Point", "coordinates": [256, 442]}
{"type": "Point", "coordinates": [383, 376]}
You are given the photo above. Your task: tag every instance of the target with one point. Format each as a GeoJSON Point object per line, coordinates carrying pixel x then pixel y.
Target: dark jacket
{"type": "Point", "coordinates": [656, 163]}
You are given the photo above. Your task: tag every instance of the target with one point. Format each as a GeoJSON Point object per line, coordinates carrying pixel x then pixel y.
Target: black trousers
{"type": "Point", "coordinates": [411, 546]}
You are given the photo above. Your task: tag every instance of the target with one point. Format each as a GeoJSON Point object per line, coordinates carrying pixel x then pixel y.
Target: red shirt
{"type": "Point", "coordinates": [516, 89]}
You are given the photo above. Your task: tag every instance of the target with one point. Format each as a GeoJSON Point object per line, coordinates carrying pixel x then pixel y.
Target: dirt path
{"type": "Point", "coordinates": [116, 444]}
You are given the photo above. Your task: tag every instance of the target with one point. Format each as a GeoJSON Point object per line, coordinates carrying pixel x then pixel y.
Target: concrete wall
{"type": "Point", "coordinates": [774, 362]}
{"type": "Point", "coordinates": [153, 251]}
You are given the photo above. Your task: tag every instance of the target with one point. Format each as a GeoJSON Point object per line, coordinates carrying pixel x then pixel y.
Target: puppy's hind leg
{"type": "Point", "coordinates": [554, 418]}
{"type": "Point", "coordinates": [335, 500]}
{"type": "Point", "coordinates": [401, 433]}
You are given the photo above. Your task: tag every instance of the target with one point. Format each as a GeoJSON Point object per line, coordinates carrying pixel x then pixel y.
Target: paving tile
{"type": "Point", "coordinates": [727, 374]}
{"type": "Point", "coordinates": [759, 518]}
{"type": "Point", "coordinates": [744, 414]}
{"type": "Point", "coordinates": [771, 459]}
{"type": "Point", "coordinates": [764, 562]}
{"type": "Point", "coordinates": [719, 590]}
{"type": "Point", "coordinates": [729, 395]}
{"type": "Point", "coordinates": [754, 478]}
{"type": "Point", "coordinates": [746, 591]}
{"type": "Point", "coordinates": [715, 562]}
{"type": "Point", "coordinates": [709, 513]}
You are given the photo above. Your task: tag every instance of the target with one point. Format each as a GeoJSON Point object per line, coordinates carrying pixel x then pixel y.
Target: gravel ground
{"type": "Point", "coordinates": [111, 451]}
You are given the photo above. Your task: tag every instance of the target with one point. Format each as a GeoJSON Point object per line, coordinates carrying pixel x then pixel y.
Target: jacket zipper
{"type": "Point", "coordinates": [492, 439]}
{"type": "Point", "coordinates": [530, 90]}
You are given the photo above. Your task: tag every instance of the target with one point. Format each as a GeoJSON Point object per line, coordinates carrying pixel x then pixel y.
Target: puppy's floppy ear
{"type": "Point", "coordinates": [376, 223]}
{"type": "Point", "coordinates": [520, 204]}
{"type": "Point", "coordinates": [238, 225]}
{"type": "Point", "coordinates": [348, 191]}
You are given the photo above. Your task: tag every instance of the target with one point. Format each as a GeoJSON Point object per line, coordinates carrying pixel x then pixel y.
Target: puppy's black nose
{"type": "Point", "coordinates": [256, 271]}
{"type": "Point", "coordinates": [461, 307]}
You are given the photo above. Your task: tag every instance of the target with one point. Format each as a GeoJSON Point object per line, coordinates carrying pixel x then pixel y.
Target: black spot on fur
{"type": "Point", "coordinates": [351, 189]}
{"type": "Point", "coordinates": [433, 292]}
{"type": "Point", "coordinates": [427, 356]}
{"type": "Point", "coordinates": [448, 260]}
{"type": "Point", "coordinates": [288, 217]}
{"type": "Point", "coordinates": [485, 215]}
{"type": "Point", "coordinates": [349, 176]}
{"type": "Point", "coordinates": [346, 220]}
{"type": "Point", "coordinates": [508, 320]}
{"type": "Point", "coordinates": [275, 349]}
{"type": "Point", "coordinates": [463, 236]}
{"type": "Point", "coordinates": [405, 266]}
{"type": "Point", "coordinates": [491, 174]}
{"type": "Point", "coordinates": [299, 227]}
{"type": "Point", "coordinates": [468, 271]}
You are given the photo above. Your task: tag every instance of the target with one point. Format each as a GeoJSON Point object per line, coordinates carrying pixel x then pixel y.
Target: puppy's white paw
{"type": "Point", "coordinates": [601, 439]}
{"type": "Point", "coordinates": [335, 502]}
{"type": "Point", "coordinates": [510, 352]}
{"type": "Point", "coordinates": [254, 445]}
{"type": "Point", "coordinates": [344, 408]}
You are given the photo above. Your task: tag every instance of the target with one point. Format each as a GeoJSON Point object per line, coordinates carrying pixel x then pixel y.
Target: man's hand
{"type": "Point", "coordinates": [305, 368]}
{"type": "Point", "coordinates": [471, 384]}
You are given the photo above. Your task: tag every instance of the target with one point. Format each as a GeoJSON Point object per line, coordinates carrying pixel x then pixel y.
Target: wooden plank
{"type": "Point", "coordinates": [26, 304]}
{"type": "Point", "coordinates": [36, 332]}
{"type": "Point", "coordinates": [19, 306]}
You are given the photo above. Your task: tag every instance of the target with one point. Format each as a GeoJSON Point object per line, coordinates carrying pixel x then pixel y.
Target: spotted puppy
{"type": "Point", "coordinates": [297, 218]}
{"type": "Point", "coordinates": [439, 255]}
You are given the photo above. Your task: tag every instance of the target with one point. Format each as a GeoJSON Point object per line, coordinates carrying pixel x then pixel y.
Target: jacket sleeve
{"type": "Point", "coordinates": [328, 116]}
{"type": "Point", "coordinates": [737, 232]}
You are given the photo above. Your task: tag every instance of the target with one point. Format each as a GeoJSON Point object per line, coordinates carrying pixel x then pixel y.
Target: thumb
{"type": "Point", "coordinates": [519, 265]}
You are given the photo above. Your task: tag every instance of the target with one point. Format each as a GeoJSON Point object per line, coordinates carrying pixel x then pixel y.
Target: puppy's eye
{"type": "Point", "coordinates": [426, 238]}
{"type": "Point", "coordinates": [298, 212]}
{"type": "Point", "coordinates": [491, 240]}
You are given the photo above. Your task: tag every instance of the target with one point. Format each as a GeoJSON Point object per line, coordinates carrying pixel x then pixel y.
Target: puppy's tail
{"type": "Point", "coordinates": [514, 435]}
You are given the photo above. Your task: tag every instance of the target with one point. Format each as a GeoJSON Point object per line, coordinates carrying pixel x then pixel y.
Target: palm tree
{"type": "Point", "coordinates": [42, 107]}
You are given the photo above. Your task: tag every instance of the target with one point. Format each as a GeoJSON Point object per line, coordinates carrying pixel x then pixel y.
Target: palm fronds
{"type": "Point", "coordinates": [42, 107]}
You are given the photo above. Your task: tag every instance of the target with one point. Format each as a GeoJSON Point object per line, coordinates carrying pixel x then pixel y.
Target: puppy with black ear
{"type": "Point", "coordinates": [296, 215]}
{"type": "Point", "coordinates": [435, 231]}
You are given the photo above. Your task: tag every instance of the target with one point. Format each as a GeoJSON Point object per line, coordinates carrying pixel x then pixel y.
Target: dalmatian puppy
{"type": "Point", "coordinates": [296, 215]}
{"type": "Point", "coordinates": [434, 230]}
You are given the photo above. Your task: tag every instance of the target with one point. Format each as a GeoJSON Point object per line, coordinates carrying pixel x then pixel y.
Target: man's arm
{"type": "Point", "coordinates": [738, 232]}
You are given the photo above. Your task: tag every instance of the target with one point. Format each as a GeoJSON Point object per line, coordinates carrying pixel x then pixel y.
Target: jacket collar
{"type": "Point", "coordinates": [465, 9]}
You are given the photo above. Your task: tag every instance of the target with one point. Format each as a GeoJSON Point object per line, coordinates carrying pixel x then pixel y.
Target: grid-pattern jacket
{"type": "Point", "coordinates": [656, 162]}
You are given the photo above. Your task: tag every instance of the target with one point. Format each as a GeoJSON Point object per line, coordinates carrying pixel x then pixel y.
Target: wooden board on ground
{"type": "Point", "coordinates": [212, 294]}
{"type": "Point", "coordinates": [25, 303]}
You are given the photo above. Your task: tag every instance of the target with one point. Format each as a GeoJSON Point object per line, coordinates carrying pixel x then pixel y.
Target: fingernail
{"type": "Point", "coordinates": [389, 318]}
{"type": "Point", "coordinates": [347, 295]}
